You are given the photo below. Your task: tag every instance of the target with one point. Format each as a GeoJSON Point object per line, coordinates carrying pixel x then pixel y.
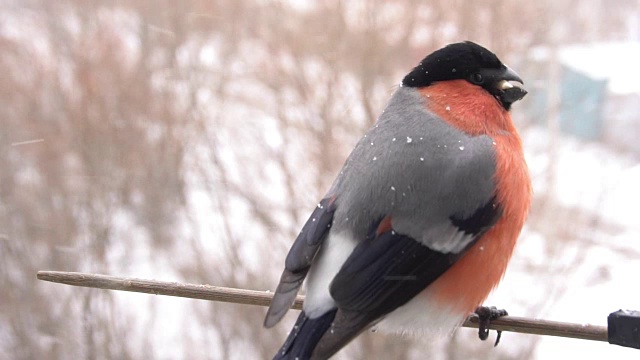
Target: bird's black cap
{"type": "Point", "coordinates": [472, 62]}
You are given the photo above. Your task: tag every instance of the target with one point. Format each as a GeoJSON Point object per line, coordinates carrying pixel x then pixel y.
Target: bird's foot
{"type": "Point", "coordinates": [486, 314]}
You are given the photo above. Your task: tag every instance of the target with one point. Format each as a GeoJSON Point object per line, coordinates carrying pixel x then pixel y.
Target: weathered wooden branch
{"type": "Point", "coordinates": [263, 298]}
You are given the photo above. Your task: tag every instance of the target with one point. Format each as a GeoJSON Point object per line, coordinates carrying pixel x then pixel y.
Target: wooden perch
{"type": "Point", "coordinates": [263, 298]}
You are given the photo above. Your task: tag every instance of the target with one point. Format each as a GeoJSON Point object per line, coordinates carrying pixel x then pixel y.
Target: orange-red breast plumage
{"type": "Point", "coordinates": [476, 112]}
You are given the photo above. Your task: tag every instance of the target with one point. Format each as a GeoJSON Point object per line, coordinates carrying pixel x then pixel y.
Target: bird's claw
{"type": "Point", "coordinates": [486, 314]}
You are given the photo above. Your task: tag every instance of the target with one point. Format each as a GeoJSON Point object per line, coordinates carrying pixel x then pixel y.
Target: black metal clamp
{"type": "Point", "coordinates": [624, 328]}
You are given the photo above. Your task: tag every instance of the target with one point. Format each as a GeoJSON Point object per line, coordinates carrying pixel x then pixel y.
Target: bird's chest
{"type": "Point", "coordinates": [470, 280]}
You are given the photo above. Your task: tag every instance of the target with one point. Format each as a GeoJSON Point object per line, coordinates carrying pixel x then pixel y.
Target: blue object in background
{"type": "Point", "coordinates": [582, 99]}
{"type": "Point", "coordinates": [581, 105]}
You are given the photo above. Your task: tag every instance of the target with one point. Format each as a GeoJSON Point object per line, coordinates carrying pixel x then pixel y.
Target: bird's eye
{"type": "Point", "coordinates": [477, 78]}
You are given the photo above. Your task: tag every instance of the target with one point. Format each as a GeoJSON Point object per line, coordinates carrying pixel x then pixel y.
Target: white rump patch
{"type": "Point", "coordinates": [334, 252]}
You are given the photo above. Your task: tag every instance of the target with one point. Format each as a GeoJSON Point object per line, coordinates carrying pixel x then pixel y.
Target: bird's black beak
{"type": "Point", "coordinates": [510, 87]}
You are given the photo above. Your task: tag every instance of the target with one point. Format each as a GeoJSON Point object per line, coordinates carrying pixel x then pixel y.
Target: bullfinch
{"type": "Point", "coordinates": [420, 224]}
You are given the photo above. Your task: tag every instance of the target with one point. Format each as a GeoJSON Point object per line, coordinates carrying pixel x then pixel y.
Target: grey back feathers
{"type": "Point", "coordinates": [419, 170]}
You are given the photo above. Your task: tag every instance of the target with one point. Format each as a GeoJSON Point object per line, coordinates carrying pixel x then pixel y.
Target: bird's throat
{"type": "Point", "coordinates": [467, 107]}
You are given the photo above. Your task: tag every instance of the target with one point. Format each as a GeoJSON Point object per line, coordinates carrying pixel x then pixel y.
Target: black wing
{"type": "Point", "coordinates": [385, 272]}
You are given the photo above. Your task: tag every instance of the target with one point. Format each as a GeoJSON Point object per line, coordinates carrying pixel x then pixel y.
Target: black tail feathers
{"type": "Point", "coordinates": [304, 337]}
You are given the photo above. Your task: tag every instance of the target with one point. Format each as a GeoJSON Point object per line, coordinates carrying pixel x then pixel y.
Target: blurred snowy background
{"type": "Point", "coordinates": [189, 140]}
